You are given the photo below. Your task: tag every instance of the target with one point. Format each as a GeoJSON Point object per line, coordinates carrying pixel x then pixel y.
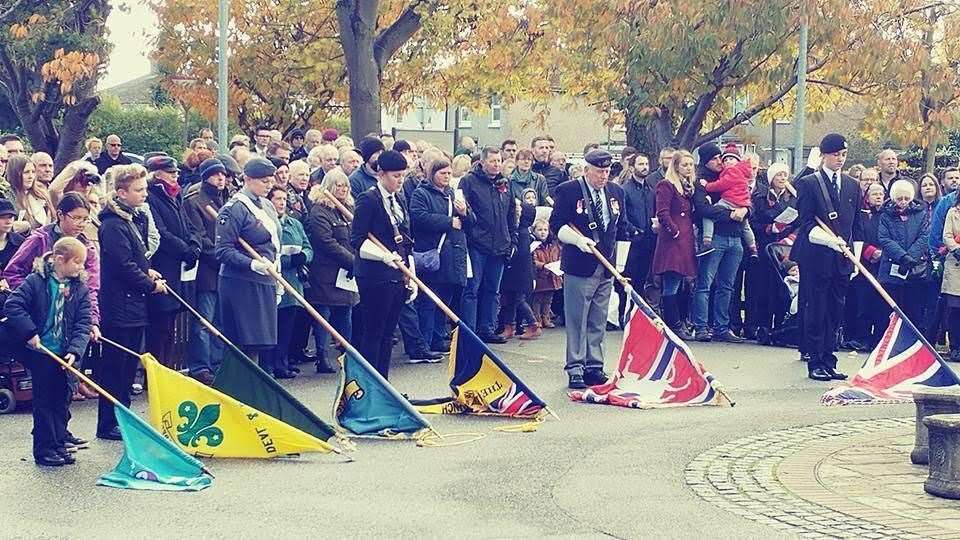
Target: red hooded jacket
{"type": "Point", "coordinates": [733, 184]}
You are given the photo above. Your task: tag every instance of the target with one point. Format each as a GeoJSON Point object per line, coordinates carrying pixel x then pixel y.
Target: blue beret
{"type": "Point", "coordinates": [599, 158]}
{"type": "Point", "coordinates": [258, 167]}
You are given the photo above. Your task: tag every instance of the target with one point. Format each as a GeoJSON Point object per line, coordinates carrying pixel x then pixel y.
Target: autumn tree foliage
{"type": "Point", "coordinates": [52, 53]}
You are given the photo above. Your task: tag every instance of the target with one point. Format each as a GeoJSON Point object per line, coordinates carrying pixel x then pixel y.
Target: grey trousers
{"type": "Point", "coordinates": [585, 303]}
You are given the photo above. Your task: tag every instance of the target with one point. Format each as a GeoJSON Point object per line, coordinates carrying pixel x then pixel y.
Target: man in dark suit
{"type": "Point", "coordinates": [594, 207]}
{"type": "Point", "coordinates": [834, 198]}
{"type": "Point", "coordinates": [382, 286]}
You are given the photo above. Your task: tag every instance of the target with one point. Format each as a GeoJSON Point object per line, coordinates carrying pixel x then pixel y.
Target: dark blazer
{"type": "Point", "coordinates": [124, 283]}
{"type": "Point", "coordinates": [199, 197]}
{"type": "Point", "coordinates": [329, 235]}
{"type": "Point", "coordinates": [495, 231]}
{"type": "Point", "coordinates": [371, 218]}
{"type": "Point", "coordinates": [29, 305]}
{"type": "Point", "coordinates": [178, 244]}
{"type": "Point", "coordinates": [570, 209]}
{"type": "Point", "coordinates": [429, 217]}
{"type": "Point", "coordinates": [518, 274]}
{"type": "Point", "coordinates": [817, 260]}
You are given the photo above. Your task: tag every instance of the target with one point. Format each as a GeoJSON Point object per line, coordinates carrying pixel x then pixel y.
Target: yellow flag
{"type": "Point", "coordinates": [208, 423]}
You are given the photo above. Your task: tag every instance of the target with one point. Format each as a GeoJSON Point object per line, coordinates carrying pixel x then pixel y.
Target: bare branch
{"type": "Point", "coordinates": [395, 35]}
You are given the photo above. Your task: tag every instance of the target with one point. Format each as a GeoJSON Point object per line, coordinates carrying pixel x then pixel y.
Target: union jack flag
{"type": "Point", "coordinates": [656, 370]}
{"type": "Point", "coordinates": [899, 365]}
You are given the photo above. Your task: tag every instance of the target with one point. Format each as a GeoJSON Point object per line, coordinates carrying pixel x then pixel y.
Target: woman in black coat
{"type": "Point", "coordinates": [436, 213]}
{"type": "Point", "coordinates": [179, 248]}
{"type": "Point", "coordinates": [871, 311]}
{"type": "Point", "coordinates": [329, 233]}
{"type": "Point", "coordinates": [518, 277]}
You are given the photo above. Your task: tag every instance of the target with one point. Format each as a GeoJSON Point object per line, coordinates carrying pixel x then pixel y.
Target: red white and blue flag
{"type": "Point", "coordinates": [656, 370]}
{"type": "Point", "coordinates": [899, 365]}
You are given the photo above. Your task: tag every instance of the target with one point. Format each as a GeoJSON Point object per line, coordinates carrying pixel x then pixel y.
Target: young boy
{"type": "Point", "coordinates": [734, 188]}
{"type": "Point", "coordinates": [51, 308]}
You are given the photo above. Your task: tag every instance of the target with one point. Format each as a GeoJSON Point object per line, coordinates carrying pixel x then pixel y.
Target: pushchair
{"type": "Point", "coordinates": [16, 385]}
{"type": "Point", "coordinates": [786, 326]}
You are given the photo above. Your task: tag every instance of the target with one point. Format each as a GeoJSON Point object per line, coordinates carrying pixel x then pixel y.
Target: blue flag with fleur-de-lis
{"type": "Point", "coordinates": [150, 461]}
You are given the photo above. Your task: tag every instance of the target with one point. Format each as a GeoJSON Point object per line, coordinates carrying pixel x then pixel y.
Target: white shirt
{"type": "Point", "coordinates": [396, 216]}
{"type": "Point", "coordinates": [830, 177]}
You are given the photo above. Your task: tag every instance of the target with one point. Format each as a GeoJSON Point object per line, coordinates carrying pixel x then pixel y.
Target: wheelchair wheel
{"type": "Point", "coordinates": [7, 402]}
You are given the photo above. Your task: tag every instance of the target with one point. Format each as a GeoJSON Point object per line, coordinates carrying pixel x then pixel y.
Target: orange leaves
{"type": "Point", "coordinates": [68, 69]}
{"type": "Point", "coordinates": [19, 31]}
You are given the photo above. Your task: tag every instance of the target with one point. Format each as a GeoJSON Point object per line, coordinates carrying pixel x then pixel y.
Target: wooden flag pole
{"type": "Point", "coordinates": [315, 314]}
{"type": "Point", "coordinates": [110, 342]}
{"type": "Point", "coordinates": [407, 272]}
{"type": "Point", "coordinates": [638, 298]}
{"type": "Point", "coordinates": [87, 380]}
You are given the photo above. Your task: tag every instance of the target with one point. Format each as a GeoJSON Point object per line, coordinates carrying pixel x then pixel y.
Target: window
{"type": "Point", "coordinates": [466, 119]}
{"type": "Point", "coordinates": [495, 112]}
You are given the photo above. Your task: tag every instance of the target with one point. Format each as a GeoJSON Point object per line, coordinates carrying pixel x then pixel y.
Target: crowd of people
{"type": "Point", "coordinates": [506, 236]}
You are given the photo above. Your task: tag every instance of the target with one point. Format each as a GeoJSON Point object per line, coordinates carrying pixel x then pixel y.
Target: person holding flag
{"type": "Point", "coordinates": [587, 214]}
{"type": "Point", "coordinates": [825, 196]}
{"type": "Point", "coordinates": [248, 294]}
{"type": "Point", "coordinates": [381, 212]}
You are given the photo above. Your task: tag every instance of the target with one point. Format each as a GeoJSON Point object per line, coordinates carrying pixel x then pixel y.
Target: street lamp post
{"type": "Point", "coordinates": [800, 113]}
{"type": "Point", "coordinates": [222, 75]}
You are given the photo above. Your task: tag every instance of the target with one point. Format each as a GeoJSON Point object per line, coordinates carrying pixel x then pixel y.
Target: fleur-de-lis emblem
{"type": "Point", "coordinates": [199, 423]}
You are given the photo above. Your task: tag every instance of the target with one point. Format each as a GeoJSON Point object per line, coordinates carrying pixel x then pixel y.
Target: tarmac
{"type": "Point", "coordinates": [598, 472]}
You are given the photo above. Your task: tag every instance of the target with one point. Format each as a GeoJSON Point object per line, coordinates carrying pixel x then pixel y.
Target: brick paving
{"type": "Point", "coordinates": [838, 480]}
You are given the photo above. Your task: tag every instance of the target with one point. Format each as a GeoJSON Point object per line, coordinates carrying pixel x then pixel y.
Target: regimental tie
{"type": "Point", "coordinates": [598, 210]}
{"type": "Point", "coordinates": [836, 184]}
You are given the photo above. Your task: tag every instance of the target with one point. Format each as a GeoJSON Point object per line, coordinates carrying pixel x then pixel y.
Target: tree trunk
{"type": "Point", "coordinates": [73, 131]}
{"type": "Point", "coordinates": [930, 155]}
{"type": "Point", "coordinates": [363, 74]}
{"type": "Point", "coordinates": [650, 135]}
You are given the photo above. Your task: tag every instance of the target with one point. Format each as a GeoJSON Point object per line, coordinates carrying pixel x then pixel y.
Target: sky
{"type": "Point", "coordinates": [130, 34]}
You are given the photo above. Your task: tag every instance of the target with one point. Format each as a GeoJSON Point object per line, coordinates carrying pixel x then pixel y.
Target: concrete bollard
{"type": "Point", "coordinates": [944, 436]}
{"type": "Point", "coordinates": [931, 401]}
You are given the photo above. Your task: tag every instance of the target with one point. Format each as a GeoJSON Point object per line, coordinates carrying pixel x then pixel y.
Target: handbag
{"type": "Point", "coordinates": [921, 270]}
{"type": "Point", "coordinates": [429, 260]}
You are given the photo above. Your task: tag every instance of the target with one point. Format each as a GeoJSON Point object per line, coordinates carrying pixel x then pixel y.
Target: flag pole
{"type": "Point", "coordinates": [323, 322]}
{"type": "Point", "coordinates": [119, 346]}
{"type": "Point", "coordinates": [69, 367]}
{"type": "Point", "coordinates": [639, 299]}
{"type": "Point", "coordinates": [407, 272]}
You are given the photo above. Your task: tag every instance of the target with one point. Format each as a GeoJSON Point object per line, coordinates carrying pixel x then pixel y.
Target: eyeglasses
{"type": "Point", "coordinates": [114, 144]}
{"type": "Point", "coordinates": [78, 220]}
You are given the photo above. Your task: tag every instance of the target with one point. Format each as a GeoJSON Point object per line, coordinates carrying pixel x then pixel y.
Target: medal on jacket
{"type": "Point", "coordinates": [579, 206]}
{"type": "Point", "coordinates": [614, 206]}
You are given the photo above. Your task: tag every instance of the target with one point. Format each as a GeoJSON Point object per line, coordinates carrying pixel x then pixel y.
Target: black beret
{"type": "Point", "coordinates": [210, 167]}
{"type": "Point", "coordinates": [391, 160]}
{"type": "Point", "coordinates": [369, 146]}
{"type": "Point", "coordinates": [6, 208]}
{"type": "Point", "coordinates": [401, 145]}
{"type": "Point", "coordinates": [832, 143]}
{"type": "Point", "coordinates": [708, 151]}
{"type": "Point", "coordinates": [258, 167]}
{"type": "Point", "coordinates": [162, 163]}
{"type": "Point", "coordinates": [599, 158]}
{"type": "Point", "coordinates": [230, 164]}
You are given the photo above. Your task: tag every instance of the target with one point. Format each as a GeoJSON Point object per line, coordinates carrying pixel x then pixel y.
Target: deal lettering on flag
{"type": "Point", "coordinates": [656, 370]}
{"type": "Point", "coordinates": [152, 462]}
{"type": "Point", "coordinates": [481, 383]}
{"type": "Point", "coordinates": [899, 365]}
{"type": "Point", "coordinates": [242, 379]}
{"type": "Point", "coordinates": [367, 405]}
{"type": "Point", "coordinates": [208, 423]}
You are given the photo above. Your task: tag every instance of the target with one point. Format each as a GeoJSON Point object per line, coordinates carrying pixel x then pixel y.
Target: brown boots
{"type": "Point", "coordinates": [531, 331]}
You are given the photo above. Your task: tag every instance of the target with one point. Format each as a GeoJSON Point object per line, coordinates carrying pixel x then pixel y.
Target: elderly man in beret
{"type": "Point", "coordinates": [179, 248]}
{"type": "Point", "coordinates": [835, 199]}
{"type": "Point", "coordinates": [247, 292]}
{"type": "Point", "coordinates": [588, 214]}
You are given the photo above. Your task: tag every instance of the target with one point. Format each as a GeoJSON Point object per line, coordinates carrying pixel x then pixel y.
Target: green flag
{"type": "Point", "coordinates": [240, 378]}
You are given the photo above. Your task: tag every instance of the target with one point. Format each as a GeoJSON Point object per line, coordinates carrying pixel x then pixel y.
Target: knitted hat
{"type": "Point", "coordinates": [330, 135]}
{"type": "Point", "coordinates": [730, 151]}
{"type": "Point", "coordinates": [369, 146]}
{"type": "Point", "coordinates": [707, 152]}
{"type": "Point", "coordinates": [209, 167]}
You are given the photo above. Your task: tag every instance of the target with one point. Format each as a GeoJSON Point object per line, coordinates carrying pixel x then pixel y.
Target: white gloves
{"type": "Point", "coordinates": [567, 235]}
{"type": "Point", "coordinates": [372, 252]}
{"type": "Point", "coordinates": [260, 267]}
{"type": "Point", "coordinates": [414, 290]}
{"type": "Point", "coordinates": [291, 249]}
{"type": "Point", "coordinates": [627, 288]}
{"type": "Point", "coordinates": [821, 237]}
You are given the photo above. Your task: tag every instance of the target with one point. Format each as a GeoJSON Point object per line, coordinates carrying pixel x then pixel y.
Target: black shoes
{"type": "Point", "coordinates": [284, 374]}
{"type": "Point", "coordinates": [729, 337]}
{"type": "Point", "coordinates": [50, 459]}
{"type": "Point", "coordinates": [493, 338]}
{"type": "Point", "coordinates": [112, 435]}
{"type": "Point", "coordinates": [66, 456]}
{"type": "Point", "coordinates": [701, 335]}
{"type": "Point", "coordinates": [819, 374]}
{"type": "Point", "coordinates": [682, 333]}
{"type": "Point", "coordinates": [323, 367]}
{"type": "Point", "coordinates": [73, 440]}
{"type": "Point", "coordinates": [836, 375]}
{"type": "Point", "coordinates": [593, 378]}
{"type": "Point", "coordinates": [425, 357]}
{"type": "Point", "coordinates": [576, 382]}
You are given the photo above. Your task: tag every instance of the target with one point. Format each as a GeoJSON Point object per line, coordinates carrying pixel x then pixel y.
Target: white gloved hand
{"type": "Point", "coordinates": [414, 291]}
{"type": "Point", "coordinates": [627, 288]}
{"type": "Point", "coordinates": [586, 244]}
{"type": "Point", "coordinates": [391, 258]}
{"type": "Point", "coordinates": [261, 267]}
{"type": "Point", "coordinates": [823, 238]}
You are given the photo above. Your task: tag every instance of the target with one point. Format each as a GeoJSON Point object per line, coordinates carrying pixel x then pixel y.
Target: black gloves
{"type": "Point", "coordinates": [907, 262]}
{"type": "Point", "coordinates": [298, 259]}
